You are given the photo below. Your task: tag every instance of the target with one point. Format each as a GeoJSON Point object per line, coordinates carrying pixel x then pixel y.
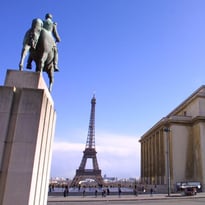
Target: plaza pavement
{"type": "Point", "coordinates": [58, 199]}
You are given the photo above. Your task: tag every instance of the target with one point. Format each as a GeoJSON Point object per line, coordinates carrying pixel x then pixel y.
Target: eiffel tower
{"type": "Point", "coordinates": [89, 153]}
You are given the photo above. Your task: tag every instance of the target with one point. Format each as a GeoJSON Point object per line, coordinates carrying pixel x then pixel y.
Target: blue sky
{"type": "Point", "coordinates": [141, 58]}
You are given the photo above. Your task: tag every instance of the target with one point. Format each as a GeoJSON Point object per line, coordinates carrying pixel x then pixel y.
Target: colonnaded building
{"type": "Point", "coordinates": [173, 150]}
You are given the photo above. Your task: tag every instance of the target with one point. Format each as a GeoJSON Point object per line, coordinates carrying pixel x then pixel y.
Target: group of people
{"type": "Point", "coordinates": [32, 36]}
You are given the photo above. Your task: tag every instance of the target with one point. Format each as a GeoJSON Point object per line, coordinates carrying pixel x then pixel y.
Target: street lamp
{"type": "Point", "coordinates": [167, 130]}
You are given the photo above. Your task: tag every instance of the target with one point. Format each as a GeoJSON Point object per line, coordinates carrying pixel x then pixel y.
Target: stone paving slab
{"type": "Point", "coordinates": [121, 198]}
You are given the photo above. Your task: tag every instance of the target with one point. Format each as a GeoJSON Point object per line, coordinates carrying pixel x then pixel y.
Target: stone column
{"type": "Point", "coordinates": [146, 160]}
{"type": "Point", "coordinates": [143, 160]}
{"type": "Point", "coordinates": [27, 123]}
{"type": "Point", "coordinates": [157, 157]}
{"type": "Point", "coordinates": [149, 160]}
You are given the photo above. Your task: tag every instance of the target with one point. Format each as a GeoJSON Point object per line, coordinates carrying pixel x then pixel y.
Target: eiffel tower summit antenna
{"type": "Point", "coordinates": [89, 153]}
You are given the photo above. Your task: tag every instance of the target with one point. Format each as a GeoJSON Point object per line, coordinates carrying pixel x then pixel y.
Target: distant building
{"type": "Point", "coordinates": [175, 146]}
{"type": "Point", "coordinates": [109, 179]}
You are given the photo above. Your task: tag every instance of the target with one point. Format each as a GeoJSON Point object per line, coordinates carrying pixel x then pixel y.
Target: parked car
{"type": "Point", "coordinates": [190, 191]}
{"type": "Point", "coordinates": [180, 186]}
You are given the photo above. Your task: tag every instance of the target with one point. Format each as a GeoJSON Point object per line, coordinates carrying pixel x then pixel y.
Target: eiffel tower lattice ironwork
{"type": "Point", "coordinates": [89, 153]}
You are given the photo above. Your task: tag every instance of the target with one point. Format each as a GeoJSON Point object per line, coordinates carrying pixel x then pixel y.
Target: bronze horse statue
{"type": "Point", "coordinates": [39, 43]}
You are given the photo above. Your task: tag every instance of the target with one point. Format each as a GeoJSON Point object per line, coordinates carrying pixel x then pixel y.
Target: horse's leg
{"type": "Point", "coordinates": [42, 62]}
{"type": "Point", "coordinates": [40, 65]}
{"type": "Point", "coordinates": [50, 73]}
{"type": "Point", "coordinates": [50, 87]}
{"type": "Point", "coordinates": [29, 61]}
{"type": "Point", "coordinates": [24, 52]}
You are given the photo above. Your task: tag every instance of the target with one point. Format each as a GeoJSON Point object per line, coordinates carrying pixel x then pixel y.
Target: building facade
{"type": "Point", "coordinates": [173, 150]}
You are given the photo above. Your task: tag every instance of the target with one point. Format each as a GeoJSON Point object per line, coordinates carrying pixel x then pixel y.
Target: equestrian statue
{"type": "Point", "coordinates": [40, 42]}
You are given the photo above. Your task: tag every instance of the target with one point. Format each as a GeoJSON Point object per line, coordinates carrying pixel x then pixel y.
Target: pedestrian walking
{"type": "Point", "coordinates": [96, 192]}
{"type": "Point", "coordinates": [151, 191]}
{"type": "Point", "coordinates": [119, 192]}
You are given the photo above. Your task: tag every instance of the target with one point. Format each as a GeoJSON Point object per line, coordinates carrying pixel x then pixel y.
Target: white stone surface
{"type": "Point", "coordinates": [6, 96]}
{"type": "Point", "coordinates": [27, 111]}
{"type": "Point", "coordinates": [25, 79]}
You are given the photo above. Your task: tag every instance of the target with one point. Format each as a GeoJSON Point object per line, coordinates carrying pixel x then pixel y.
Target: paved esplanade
{"type": "Point", "coordinates": [157, 199]}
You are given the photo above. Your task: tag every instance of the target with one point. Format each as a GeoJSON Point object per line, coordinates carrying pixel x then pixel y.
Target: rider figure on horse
{"type": "Point", "coordinates": [51, 26]}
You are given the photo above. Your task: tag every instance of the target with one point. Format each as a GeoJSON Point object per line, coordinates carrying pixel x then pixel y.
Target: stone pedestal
{"type": "Point", "coordinates": [27, 124]}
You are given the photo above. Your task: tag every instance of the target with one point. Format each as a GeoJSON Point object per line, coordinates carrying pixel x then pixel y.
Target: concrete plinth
{"type": "Point", "coordinates": [27, 124]}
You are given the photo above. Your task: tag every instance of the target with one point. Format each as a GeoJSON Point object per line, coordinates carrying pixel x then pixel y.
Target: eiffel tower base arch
{"type": "Point", "coordinates": [82, 175]}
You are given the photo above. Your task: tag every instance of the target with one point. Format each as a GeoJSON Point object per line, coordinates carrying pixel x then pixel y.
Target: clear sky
{"type": "Point", "coordinates": [141, 58]}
